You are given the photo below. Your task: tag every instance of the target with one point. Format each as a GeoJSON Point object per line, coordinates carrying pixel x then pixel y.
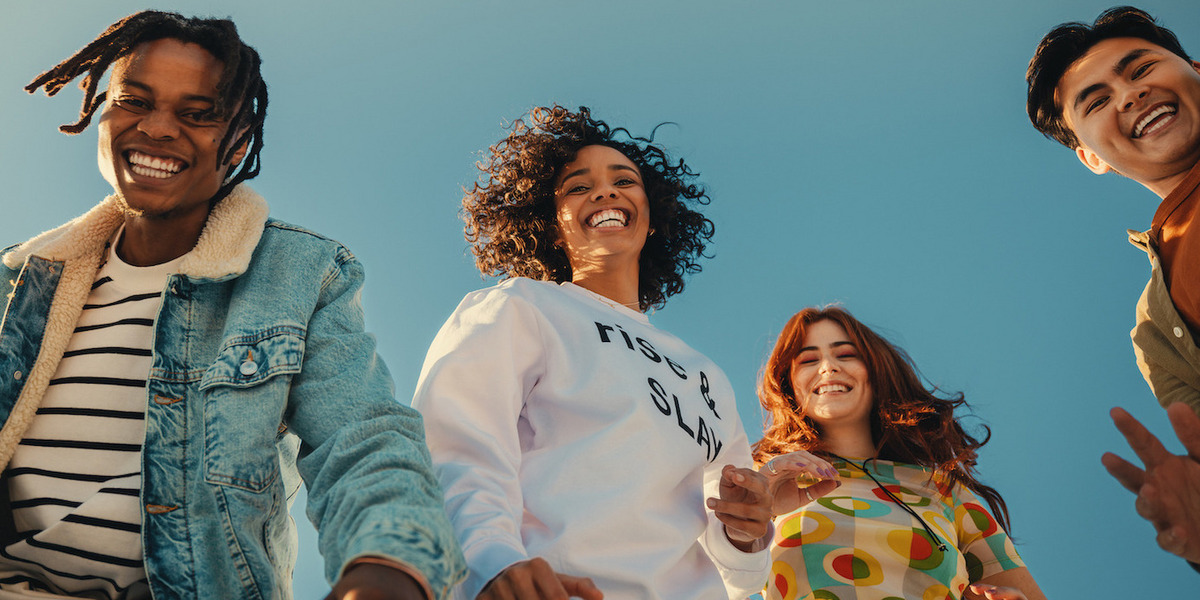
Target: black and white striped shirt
{"type": "Point", "coordinates": [75, 478]}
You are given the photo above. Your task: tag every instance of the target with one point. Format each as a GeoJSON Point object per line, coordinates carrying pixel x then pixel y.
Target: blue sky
{"type": "Point", "coordinates": [867, 152]}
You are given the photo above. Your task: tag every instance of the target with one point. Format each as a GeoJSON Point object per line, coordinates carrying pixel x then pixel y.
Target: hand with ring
{"type": "Point", "coordinates": [786, 492]}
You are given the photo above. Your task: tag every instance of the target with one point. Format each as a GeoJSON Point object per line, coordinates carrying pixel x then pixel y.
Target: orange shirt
{"type": "Point", "coordinates": [1177, 235]}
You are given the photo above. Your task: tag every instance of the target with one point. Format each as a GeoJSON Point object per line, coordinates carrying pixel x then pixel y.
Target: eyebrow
{"type": "Point", "coordinates": [585, 171]}
{"type": "Point", "coordinates": [189, 98]}
{"type": "Point", "coordinates": [1118, 70]}
{"type": "Point", "coordinates": [833, 345]}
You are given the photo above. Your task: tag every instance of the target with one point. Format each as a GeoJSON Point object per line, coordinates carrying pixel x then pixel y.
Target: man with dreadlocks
{"type": "Point", "coordinates": [173, 362]}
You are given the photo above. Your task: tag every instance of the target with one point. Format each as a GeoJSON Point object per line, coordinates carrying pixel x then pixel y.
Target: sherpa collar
{"type": "Point", "coordinates": [225, 246]}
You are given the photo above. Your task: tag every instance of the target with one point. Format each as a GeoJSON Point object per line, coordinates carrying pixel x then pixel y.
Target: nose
{"type": "Point", "coordinates": [159, 125]}
{"type": "Point", "coordinates": [827, 365]}
{"type": "Point", "coordinates": [1133, 96]}
{"type": "Point", "coordinates": [604, 191]}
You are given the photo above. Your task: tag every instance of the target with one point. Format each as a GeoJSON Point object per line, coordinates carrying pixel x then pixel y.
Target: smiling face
{"type": "Point", "coordinates": [831, 382]}
{"type": "Point", "coordinates": [1135, 108]}
{"type": "Point", "coordinates": [603, 214]}
{"type": "Point", "coordinates": [158, 138]}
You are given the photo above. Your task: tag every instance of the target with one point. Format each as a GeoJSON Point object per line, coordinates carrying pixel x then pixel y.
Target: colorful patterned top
{"type": "Point", "coordinates": [857, 544]}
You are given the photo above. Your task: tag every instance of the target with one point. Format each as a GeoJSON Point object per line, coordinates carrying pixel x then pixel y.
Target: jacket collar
{"type": "Point", "coordinates": [225, 246]}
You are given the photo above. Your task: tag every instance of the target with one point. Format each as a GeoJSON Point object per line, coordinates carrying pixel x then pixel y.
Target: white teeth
{"type": "Point", "coordinates": [609, 217]}
{"type": "Point", "coordinates": [1139, 129]}
{"type": "Point", "coordinates": [831, 387]}
{"type": "Point", "coordinates": [154, 166]}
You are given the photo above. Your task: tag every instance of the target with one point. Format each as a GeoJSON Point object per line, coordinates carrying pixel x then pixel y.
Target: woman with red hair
{"type": "Point", "coordinates": [903, 519]}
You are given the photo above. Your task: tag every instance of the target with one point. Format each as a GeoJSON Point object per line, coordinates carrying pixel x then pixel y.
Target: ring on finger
{"type": "Point", "coordinates": [771, 468]}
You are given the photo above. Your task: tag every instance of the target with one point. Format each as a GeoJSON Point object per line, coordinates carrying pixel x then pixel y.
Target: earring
{"type": "Point", "coordinates": [651, 232]}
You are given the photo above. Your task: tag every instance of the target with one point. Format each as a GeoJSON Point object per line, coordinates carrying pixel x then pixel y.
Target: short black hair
{"type": "Point", "coordinates": [1068, 42]}
{"type": "Point", "coordinates": [241, 91]}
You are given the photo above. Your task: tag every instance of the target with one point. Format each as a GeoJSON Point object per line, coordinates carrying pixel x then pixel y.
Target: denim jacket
{"type": "Point", "coordinates": [1166, 353]}
{"type": "Point", "coordinates": [262, 375]}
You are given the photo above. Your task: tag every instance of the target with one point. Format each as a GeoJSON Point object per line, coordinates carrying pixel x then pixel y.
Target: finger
{"type": "Point", "coordinates": [1149, 506]}
{"type": "Point", "coordinates": [1147, 447]}
{"type": "Point", "coordinates": [581, 587]}
{"type": "Point", "coordinates": [801, 462]}
{"type": "Point", "coordinates": [822, 488]}
{"type": "Point", "coordinates": [544, 580]}
{"type": "Point", "coordinates": [1187, 427]}
{"type": "Point", "coordinates": [748, 479]}
{"type": "Point", "coordinates": [1127, 473]}
{"type": "Point", "coordinates": [1173, 540]}
{"type": "Point", "coordinates": [983, 589]}
{"type": "Point", "coordinates": [742, 529]}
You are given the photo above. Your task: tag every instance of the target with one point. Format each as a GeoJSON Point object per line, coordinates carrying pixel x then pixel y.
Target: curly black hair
{"type": "Point", "coordinates": [1066, 44]}
{"type": "Point", "coordinates": [510, 214]}
{"type": "Point", "coordinates": [242, 93]}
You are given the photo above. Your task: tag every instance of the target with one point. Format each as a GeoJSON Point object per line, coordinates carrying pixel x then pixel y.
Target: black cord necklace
{"type": "Point", "coordinates": [929, 530]}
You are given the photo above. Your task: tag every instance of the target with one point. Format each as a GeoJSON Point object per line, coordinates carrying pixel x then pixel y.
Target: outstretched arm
{"type": "Point", "coordinates": [1168, 489]}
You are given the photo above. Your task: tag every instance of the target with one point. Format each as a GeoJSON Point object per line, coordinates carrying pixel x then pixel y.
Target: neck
{"type": "Point", "coordinates": [620, 287]}
{"type": "Point", "coordinates": [148, 241]}
{"type": "Point", "coordinates": [848, 442]}
{"type": "Point", "coordinates": [1163, 187]}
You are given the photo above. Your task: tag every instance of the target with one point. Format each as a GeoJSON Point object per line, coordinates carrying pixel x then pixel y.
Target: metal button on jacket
{"type": "Point", "coordinates": [1178, 332]}
{"type": "Point", "coordinates": [248, 368]}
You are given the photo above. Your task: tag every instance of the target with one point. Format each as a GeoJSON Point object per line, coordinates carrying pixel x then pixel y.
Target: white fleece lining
{"type": "Point", "coordinates": [225, 248]}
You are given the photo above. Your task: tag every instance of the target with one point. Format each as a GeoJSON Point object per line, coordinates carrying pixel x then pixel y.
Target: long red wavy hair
{"type": "Point", "coordinates": [909, 422]}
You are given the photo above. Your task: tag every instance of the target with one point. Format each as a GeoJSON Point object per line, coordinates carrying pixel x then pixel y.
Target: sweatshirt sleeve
{"type": "Point", "coordinates": [744, 573]}
{"type": "Point", "coordinates": [476, 377]}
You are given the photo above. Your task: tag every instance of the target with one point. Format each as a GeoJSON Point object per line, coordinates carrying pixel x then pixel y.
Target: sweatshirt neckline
{"type": "Point", "coordinates": [600, 299]}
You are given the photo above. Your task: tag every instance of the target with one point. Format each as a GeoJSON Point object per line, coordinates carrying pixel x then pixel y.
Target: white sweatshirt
{"type": "Point", "coordinates": [567, 427]}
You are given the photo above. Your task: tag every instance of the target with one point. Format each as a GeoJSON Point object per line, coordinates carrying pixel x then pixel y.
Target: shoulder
{"type": "Point", "coordinates": [517, 290]}
{"type": "Point", "coordinates": [280, 235]}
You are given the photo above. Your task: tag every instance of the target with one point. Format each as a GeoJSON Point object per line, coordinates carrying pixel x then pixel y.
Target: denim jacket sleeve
{"type": "Point", "coordinates": [363, 454]}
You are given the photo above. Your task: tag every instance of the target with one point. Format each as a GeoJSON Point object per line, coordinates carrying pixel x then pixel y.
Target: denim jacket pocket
{"type": "Point", "coordinates": [245, 394]}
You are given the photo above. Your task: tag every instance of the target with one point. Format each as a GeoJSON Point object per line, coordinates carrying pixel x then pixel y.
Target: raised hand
{"type": "Point", "coordinates": [1168, 489]}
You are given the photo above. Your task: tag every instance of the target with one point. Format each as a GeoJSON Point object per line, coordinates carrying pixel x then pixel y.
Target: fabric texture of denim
{"type": "Point", "coordinates": [262, 375]}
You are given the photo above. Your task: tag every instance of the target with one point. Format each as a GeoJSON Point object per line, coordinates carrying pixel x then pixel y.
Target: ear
{"type": "Point", "coordinates": [238, 155]}
{"type": "Point", "coordinates": [1092, 161]}
{"type": "Point", "coordinates": [1196, 66]}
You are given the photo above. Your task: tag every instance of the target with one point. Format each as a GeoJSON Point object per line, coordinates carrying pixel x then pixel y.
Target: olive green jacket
{"type": "Point", "coordinates": [1167, 353]}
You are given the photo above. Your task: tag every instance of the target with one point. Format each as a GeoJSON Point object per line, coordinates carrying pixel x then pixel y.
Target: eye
{"type": "Point", "coordinates": [133, 103]}
{"type": "Point", "coordinates": [806, 359]}
{"type": "Point", "coordinates": [199, 117]}
{"type": "Point", "coordinates": [1142, 70]}
{"type": "Point", "coordinates": [626, 181]}
{"type": "Point", "coordinates": [1097, 103]}
{"type": "Point", "coordinates": [577, 188]}
{"type": "Point", "coordinates": [847, 355]}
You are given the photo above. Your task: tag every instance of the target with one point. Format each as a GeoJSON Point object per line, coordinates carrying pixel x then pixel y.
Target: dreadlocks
{"type": "Point", "coordinates": [241, 92]}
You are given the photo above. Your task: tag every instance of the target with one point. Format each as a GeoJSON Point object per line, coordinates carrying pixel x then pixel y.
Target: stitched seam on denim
{"type": "Point", "coordinates": [332, 275]}
{"type": "Point", "coordinates": [241, 565]}
{"type": "Point", "coordinates": [265, 334]}
{"type": "Point", "coordinates": [249, 485]}
{"type": "Point", "coordinates": [259, 378]}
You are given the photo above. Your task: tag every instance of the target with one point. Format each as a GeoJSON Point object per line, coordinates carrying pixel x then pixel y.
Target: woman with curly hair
{"type": "Point", "coordinates": [902, 517]}
{"type": "Point", "coordinates": [583, 451]}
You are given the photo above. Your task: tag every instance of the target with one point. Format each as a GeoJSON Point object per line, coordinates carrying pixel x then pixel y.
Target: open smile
{"type": "Point", "coordinates": [828, 388]}
{"type": "Point", "coordinates": [155, 167]}
{"type": "Point", "coordinates": [1154, 120]}
{"type": "Point", "coordinates": [608, 218]}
